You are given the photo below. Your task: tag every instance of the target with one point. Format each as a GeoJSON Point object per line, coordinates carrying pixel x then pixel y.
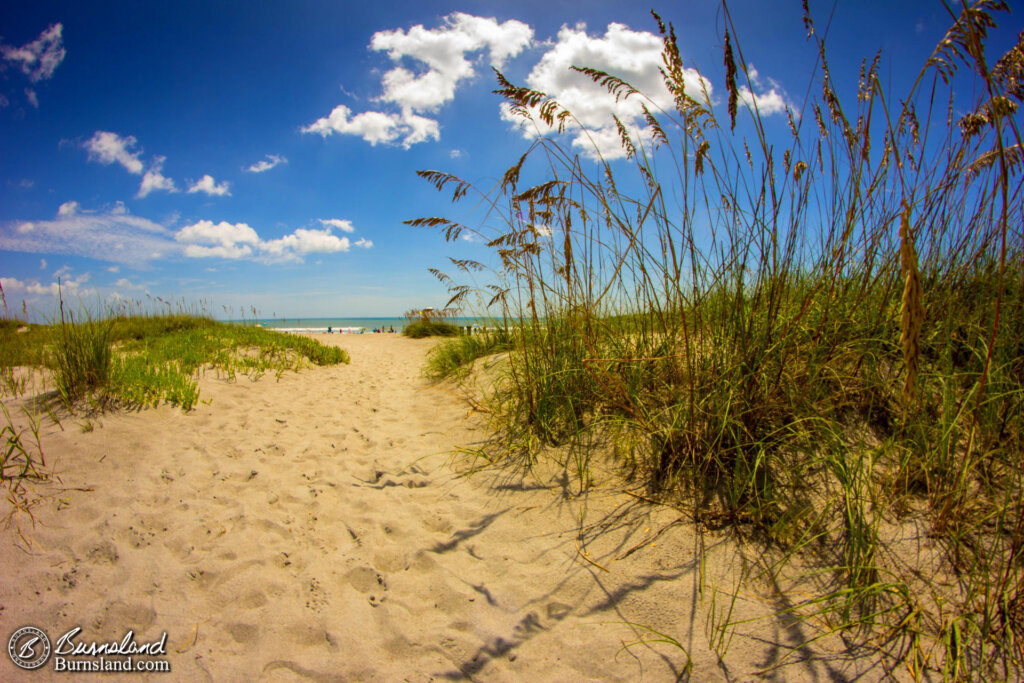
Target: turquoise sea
{"type": "Point", "coordinates": [351, 325]}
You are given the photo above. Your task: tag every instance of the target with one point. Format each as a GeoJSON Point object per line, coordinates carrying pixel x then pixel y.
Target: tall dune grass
{"type": "Point", "coordinates": [815, 342]}
{"type": "Point", "coordinates": [81, 358]}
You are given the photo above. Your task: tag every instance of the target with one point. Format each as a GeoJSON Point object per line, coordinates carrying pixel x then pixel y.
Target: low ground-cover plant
{"type": "Point", "coordinates": [148, 359]}
{"type": "Point", "coordinates": [810, 339]}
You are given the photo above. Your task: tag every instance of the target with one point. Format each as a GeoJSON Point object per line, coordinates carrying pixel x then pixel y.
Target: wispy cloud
{"type": "Point", "coordinates": [40, 58]}
{"type": "Point", "coordinates": [340, 224]}
{"type": "Point", "coordinates": [209, 186]}
{"type": "Point", "coordinates": [270, 162]}
{"type": "Point", "coordinates": [111, 237]}
{"type": "Point", "coordinates": [115, 236]}
{"type": "Point", "coordinates": [125, 283]}
{"type": "Point", "coordinates": [67, 286]}
{"type": "Point", "coordinates": [443, 52]}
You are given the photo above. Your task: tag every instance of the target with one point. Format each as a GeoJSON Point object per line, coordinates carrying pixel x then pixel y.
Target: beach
{"type": "Point", "coordinates": [322, 526]}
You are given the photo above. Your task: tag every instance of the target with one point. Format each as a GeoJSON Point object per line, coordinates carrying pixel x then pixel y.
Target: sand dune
{"type": "Point", "coordinates": [316, 527]}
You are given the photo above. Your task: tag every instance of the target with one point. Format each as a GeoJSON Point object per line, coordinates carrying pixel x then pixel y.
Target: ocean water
{"type": "Point", "coordinates": [349, 325]}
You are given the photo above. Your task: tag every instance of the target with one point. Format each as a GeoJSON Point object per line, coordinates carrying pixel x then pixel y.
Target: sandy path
{"type": "Point", "coordinates": [313, 528]}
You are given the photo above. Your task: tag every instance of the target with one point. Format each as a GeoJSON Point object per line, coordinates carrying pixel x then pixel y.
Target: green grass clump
{"type": "Point", "coordinates": [454, 356]}
{"type": "Point", "coordinates": [430, 328]}
{"type": "Point", "coordinates": [147, 359]}
{"type": "Point", "coordinates": [21, 462]}
{"type": "Point", "coordinates": [80, 356]}
{"type": "Point", "coordinates": [813, 336]}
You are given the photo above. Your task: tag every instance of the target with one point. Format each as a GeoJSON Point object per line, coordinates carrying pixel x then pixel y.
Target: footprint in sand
{"type": "Point", "coordinates": [243, 633]}
{"type": "Point", "coordinates": [367, 580]}
{"type": "Point", "coordinates": [252, 600]}
{"type": "Point", "coordinates": [438, 524]}
{"type": "Point", "coordinates": [136, 538]}
{"type": "Point", "coordinates": [391, 561]}
{"type": "Point", "coordinates": [104, 552]}
{"type": "Point", "coordinates": [69, 579]}
{"type": "Point", "coordinates": [316, 598]}
{"type": "Point", "coordinates": [121, 615]}
{"type": "Point", "coordinates": [201, 577]}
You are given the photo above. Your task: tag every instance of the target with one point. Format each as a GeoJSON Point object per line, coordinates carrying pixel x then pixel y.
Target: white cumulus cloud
{"type": "Point", "coordinates": [440, 56]}
{"type": "Point", "coordinates": [206, 239]}
{"type": "Point", "coordinates": [226, 240]}
{"type": "Point", "coordinates": [68, 209]}
{"type": "Point", "coordinates": [443, 51]}
{"type": "Point", "coordinates": [154, 179]}
{"type": "Point", "coordinates": [234, 251]}
{"type": "Point", "coordinates": [634, 56]}
{"type": "Point", "coordinates": [771, 102]}
{"type": "Point", "coordinates": [766, 103]}
{"type": "Point", "coordinates": [304, 241]}
{"type": "Point", "coordinates": [208, 185]}
{"type": "Point", "coordinates": [376, 127]}
{"type": "Point", "coordinates": [107, 148]}
{"type": "Point", "coordinates": [40, 58]}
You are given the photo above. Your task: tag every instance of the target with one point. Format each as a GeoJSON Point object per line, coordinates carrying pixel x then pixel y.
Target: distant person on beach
{"type": "Point", "coordinates": [328, 329]}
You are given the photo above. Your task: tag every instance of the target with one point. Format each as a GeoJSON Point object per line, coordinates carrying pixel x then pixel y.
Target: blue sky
{"type": "Point", "coordinates": [263, 154]}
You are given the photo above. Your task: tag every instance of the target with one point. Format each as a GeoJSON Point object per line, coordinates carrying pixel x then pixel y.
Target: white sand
{"type": "Point", "coordinates": [316, 528]}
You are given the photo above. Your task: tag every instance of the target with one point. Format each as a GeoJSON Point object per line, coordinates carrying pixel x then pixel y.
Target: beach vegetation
{"type": "Point", "coordinates": [80, 356]}
{"type": "Point", "coordinates": [455, 356]}
{"type": "Point", "coordinates": [429, 328]}
{"type": "Point", "coordinates": [139, 360]}
{"type": "Point", "coordinates": [817, 342]}
{"type": "Point", "coordinates": [22, 462]}
{"type": "Point", "coordinates": [429, 322]}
